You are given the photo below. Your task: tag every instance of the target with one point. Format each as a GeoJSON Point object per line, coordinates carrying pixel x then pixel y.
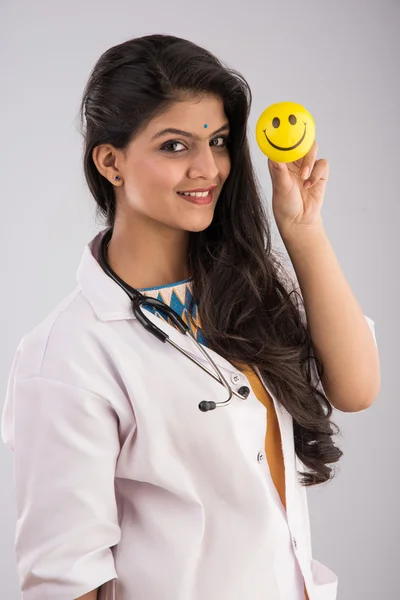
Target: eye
{"type": "Point", "coordinates": [167, 147]}
{"type": "Point", "coordinates": [292, 120]}
{"type": "Point", "coordinates": [225, 141]}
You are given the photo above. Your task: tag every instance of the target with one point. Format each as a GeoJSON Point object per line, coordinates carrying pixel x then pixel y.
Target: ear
{"type": "Point", "coordinates": [105, 157]}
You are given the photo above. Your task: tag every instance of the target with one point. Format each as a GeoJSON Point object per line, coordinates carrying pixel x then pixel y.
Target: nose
{"type": "Point", "coordinates": [203, 165]}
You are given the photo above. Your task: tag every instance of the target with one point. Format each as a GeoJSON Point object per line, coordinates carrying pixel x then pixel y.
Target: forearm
{"type": "Point", "coordinates": [341, 337]}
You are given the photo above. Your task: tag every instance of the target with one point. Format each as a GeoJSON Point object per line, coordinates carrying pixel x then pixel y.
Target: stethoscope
{"type": "Point", "coordinates": [139, 300]}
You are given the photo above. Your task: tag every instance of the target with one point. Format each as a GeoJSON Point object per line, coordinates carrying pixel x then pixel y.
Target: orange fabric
{"type": "Point", "coordinates": [273, 440]}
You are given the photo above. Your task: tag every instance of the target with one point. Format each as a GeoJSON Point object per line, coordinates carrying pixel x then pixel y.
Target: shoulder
{"type": "Point", "coordinates": [58, 339]}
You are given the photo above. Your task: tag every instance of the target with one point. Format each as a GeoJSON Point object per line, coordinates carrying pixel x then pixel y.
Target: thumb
{"type": "Point", "coordinates": [280, 176]}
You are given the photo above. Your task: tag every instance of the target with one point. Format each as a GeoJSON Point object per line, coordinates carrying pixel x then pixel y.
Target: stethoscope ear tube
{"type": "Point", "coordinates": [137, 304]}
{"type": "Point", "coordinates": [157, 304]}
{"type": "Point", "coordinates": [139, 300]}
{"type": "Point", "coordinates": [130, 291]}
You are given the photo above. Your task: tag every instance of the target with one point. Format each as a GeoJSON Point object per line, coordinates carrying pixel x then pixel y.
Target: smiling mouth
{"type": "Point", "coordinates": [291, 147]}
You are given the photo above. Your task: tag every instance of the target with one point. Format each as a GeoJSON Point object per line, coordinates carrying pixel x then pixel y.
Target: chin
{"type": "Point", "coordinates": [197, 225]}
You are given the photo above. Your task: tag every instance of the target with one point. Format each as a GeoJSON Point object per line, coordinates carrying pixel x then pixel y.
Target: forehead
{"type": "Point", "coordinates": [192, 115]}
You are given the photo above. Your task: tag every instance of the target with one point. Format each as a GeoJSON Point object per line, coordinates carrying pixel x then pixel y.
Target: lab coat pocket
{"type": "Point", "coordinates": [325, 582]}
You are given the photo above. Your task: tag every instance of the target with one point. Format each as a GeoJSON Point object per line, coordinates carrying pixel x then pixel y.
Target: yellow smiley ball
{"type": "Point", "coordinates": [285, 131]}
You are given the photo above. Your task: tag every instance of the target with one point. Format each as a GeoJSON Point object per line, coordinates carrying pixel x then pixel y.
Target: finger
{"type": "Point", "coordinates": [278, 166]}
{"type": "Point", "coordinates": [280, 176]}
{"type": "Point", "coordinates": [320, 171]}
{"type": "Point", "coordinates": [309, 161]}
{"type": "Point", "coordinates": [277, 169]}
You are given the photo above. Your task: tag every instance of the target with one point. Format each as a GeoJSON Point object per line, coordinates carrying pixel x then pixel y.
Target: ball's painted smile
{"type": "Point", "coordinates": [291, 147]}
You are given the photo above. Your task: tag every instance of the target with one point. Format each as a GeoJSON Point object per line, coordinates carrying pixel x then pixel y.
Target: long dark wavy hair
{"type": "Point", "coordinates": [248, 312]}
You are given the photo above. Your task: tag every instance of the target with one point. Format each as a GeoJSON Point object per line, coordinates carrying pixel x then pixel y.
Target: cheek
{"type": "Point", "coordinates": [148, 178]}
{"type": "Point", "coordinates": [224, 166]}
{"type": "Point", "coordinates": [151, 186]}
{"type": "Point", "coordinates": [161, 175]}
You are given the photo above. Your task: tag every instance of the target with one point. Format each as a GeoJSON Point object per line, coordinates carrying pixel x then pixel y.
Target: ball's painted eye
{"type": "Point", "coordinates": [276, 122]}
{"type": "Point", "coordinates": [292, 120]}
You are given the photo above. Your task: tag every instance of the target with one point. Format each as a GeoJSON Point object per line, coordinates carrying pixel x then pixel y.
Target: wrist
{"type": "Point", "coordinates": [293, 232]}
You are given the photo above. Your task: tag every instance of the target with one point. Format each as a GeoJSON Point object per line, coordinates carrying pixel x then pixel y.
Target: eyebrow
{"type": "Point", "coordinates": [186, 133]}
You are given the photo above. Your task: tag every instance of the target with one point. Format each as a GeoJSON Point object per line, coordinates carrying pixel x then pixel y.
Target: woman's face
{"type": "Point", "coordinates": [156, 166]}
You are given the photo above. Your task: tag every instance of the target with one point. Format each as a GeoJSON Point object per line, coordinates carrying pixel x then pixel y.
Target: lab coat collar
{"type": "Point", "coordinates": [107, 298]}
{"type": "Point", "coordinates": [110, 303]}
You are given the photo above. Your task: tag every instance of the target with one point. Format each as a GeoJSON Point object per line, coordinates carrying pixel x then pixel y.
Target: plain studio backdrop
{"type": "Point", "coordinates": [340, 60]}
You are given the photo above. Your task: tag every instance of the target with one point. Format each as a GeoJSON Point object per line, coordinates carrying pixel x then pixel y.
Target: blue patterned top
{"type": "Point", "coordinates": [179, 297]}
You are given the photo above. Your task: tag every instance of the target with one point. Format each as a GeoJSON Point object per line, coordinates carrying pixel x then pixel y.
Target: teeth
{"type": "Point", "coordinates": [197, 194]}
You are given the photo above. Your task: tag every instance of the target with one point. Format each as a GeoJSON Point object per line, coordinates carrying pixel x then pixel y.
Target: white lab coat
{"type": "Point", "coordinates": [120, 478]}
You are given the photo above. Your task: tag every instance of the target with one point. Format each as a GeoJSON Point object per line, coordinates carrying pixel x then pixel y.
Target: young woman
{"type": "Point", "coordinates": [127, 486]}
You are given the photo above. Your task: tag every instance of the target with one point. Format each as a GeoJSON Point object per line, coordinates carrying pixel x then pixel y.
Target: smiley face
{"type": "Point", "coordinates": [285, 132]}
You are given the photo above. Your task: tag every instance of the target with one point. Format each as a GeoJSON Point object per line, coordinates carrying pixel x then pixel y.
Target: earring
{"type": "Point", "coordinates": [117, 178]}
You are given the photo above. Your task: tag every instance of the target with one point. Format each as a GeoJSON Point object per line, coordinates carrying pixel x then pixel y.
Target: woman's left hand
{"type": "Point", "coordinates": [294, 201]}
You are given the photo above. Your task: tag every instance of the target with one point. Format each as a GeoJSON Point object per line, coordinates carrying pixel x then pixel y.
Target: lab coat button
{"type": "Point", "coordinates": [260, 456]}
{"type": "Point", "coordinates": [235, 378]}
{"type": "Point", "coordinates": [295, 543]}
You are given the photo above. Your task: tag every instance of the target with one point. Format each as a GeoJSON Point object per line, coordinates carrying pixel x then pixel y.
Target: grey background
{"type": "Point", "coordinates": [340, 60]}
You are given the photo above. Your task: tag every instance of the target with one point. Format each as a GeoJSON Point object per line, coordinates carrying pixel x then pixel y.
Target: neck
{"type": "Point", "coordinates": [147, 257]}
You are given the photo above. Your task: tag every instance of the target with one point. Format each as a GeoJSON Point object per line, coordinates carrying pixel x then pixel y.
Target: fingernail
{"type": "Point", "coordinates": [307, 185]}
{"type": "Point", "coordinates": [305, 173]}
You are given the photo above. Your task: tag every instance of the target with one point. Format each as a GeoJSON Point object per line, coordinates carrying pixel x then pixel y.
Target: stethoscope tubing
{"type": "Point", "coordinates": [139, 300]}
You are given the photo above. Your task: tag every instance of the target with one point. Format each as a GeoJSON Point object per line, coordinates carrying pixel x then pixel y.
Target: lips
{"type": "Point", "coordinates": [198, 199]}
{"type": "Point", "coordinates": [207, 189]}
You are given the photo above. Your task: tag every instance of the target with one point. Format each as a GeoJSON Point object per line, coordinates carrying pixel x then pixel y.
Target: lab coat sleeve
{"type": "Point", "coordinates": [65, 443]}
